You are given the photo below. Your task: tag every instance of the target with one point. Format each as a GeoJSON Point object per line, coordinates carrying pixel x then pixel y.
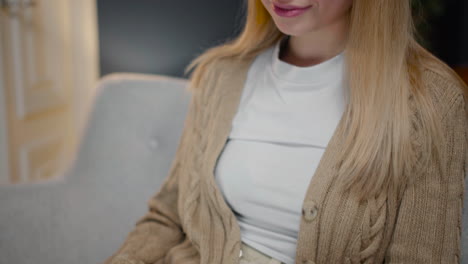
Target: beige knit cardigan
{"type": "Point", "coordinates": [188, 220]}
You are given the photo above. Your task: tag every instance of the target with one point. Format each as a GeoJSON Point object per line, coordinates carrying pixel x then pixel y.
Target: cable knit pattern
{"type": "Point", "coordinates": [372, 229]}
{"type": "Point", "coordinates": [188, 220]}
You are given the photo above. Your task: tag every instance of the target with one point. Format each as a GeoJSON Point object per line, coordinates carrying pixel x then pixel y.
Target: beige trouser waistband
{"type": "Point", "coordinates": [250, 255]}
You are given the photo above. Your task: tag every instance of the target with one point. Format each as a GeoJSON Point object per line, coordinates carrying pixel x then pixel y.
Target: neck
{"type": "Point", "coordinates": [316, 46]}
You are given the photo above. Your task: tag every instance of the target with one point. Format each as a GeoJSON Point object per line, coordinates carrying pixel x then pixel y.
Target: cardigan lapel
{"type": "Point", "coordinates": [232, 82]}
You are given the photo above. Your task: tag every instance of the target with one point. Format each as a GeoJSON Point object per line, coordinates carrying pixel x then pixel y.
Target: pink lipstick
{"type": "Point", "coordinates": [289, 10]}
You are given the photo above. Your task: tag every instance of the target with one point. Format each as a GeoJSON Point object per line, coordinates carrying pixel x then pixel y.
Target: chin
{"type": "Point", "coordinates": [293, 30]}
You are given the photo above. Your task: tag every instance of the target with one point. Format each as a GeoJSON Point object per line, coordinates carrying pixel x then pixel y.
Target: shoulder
{"type": "Point", "coordinates": [215, 79]}
{"type": "Point", "coordinates": [450, 100]}
{"type": "Point", "coordinates": [221, 71]}
{"type": "Point", "coordinates": [446, 91]}
{"type": "Point", "coordinates": [212, 72]}
{"type": "Point", "coordinates": [450, 108]}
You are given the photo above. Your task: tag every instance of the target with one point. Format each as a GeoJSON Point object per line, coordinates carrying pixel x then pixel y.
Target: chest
{"type": "Point", "coordinates": [332, 226]}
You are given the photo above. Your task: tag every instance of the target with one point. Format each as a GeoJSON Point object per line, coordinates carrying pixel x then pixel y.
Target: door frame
{"type": "Point", "coordinates": [85, 60]}
{"type": "Point", "coordinates": [4, 145]}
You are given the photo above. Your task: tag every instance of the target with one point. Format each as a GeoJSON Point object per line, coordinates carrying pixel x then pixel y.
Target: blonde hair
{"type": "Point", "coordinates": [384, 68]}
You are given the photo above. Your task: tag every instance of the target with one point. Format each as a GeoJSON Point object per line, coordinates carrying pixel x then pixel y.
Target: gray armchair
{"type": "Point", "coordinates": [125, 153]}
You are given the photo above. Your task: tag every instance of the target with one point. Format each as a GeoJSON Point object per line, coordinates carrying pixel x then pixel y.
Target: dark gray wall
{"type": "Point", "coordinates": [450, 33]}
{"type": "Point", "coordinates": [162, 36]}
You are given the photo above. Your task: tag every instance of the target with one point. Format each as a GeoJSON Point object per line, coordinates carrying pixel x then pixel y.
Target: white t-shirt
{"type": "Point", "coordinates": [286, 117]}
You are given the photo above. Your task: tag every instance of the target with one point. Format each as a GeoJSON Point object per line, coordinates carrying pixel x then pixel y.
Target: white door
{"type": "Point", "coordinates": [48, 66]}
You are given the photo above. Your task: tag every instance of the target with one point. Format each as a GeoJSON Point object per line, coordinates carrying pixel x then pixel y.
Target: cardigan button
{"type": "Point", "coordinates": [309, 210]}
{"type": "Point", "coordinates": [308, 261]}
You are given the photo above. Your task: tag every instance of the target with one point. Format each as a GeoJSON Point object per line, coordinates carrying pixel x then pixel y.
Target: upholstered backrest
{"type": "Point", "coordinates": [125, 153]}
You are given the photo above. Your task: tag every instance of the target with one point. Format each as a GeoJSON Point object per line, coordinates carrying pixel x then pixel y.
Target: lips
{"type": "Point", "coordinates": [290, 7]}
{"type": "Point", "coordinates": [289, 11]}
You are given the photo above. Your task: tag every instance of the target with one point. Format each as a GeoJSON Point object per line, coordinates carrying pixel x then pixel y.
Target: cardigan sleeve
{"type": "Point", "coordinates": [160, 228]}
{"type": "Point", "coordinates": [428, 224]}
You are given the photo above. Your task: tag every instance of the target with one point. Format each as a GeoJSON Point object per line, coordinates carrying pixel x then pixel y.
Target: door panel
{"type": "Point", "coordinates": [38, 70]}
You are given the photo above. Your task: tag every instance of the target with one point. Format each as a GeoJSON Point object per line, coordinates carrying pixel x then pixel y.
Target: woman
{"type": "Point", "coordinates": [322, 134]}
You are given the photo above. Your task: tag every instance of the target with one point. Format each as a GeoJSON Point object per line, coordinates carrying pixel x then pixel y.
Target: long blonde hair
{"type": "Point", "coordinates": [384, 68]}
